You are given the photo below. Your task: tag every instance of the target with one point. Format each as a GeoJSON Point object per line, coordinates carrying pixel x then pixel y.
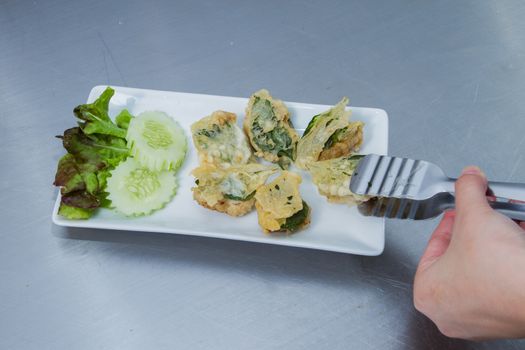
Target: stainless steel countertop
{"type": "Point", "coordinates": [451, 75]}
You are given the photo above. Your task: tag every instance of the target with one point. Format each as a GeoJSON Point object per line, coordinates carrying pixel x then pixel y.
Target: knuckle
{"type": "Point", "coordinates": [420, 302]}
{"type": "Point", "coordinates": [423, 297]}
{"type": "Point", "coordinates": [429, 296]}
{"type": "Point", "coordinates": [447, 330]}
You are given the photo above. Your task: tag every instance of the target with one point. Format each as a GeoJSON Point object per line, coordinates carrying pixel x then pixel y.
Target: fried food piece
{"type": "Point", "coordinates": [343, 142]}
{"type": "Point", "coordinates": [224, 205]}
{"type": "Point", "coordinates": [229, 190]}
{"type": "Point", "coordinates": [329, 135]}
{"type": "Point", "coordinates": [332, 178]}
{"type": "Point", "coordinates": [219, 141]}
{"type": "Point", "coordinates": [267, 124]}
{"type": "Point", "coordinates": [280, 206]}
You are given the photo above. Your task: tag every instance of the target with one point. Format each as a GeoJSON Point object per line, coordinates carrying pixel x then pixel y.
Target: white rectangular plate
{"type": "Point", "coordinates": [334, 227]}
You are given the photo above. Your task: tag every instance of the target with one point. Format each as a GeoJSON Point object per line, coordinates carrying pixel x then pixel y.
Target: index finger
{"type": "Point", "coordinates": [439, 240]}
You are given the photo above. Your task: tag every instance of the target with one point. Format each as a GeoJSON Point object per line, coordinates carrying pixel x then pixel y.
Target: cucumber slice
{"type": "Point", "coordinates": [157, 141]}
{"type": "Point", "coordinates": [136, 190]}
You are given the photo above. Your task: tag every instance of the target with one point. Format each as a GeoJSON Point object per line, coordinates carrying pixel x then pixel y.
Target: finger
{"type": "Point", "coordinates": [471, 188]}
{"type": "Point", "coordinates": [439, 241]}
{"type": "Point", "coordinates": [522, 224]}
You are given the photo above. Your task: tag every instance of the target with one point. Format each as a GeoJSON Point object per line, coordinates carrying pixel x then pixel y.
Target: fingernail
{"type": "Point", "coordinates": [473, 170]}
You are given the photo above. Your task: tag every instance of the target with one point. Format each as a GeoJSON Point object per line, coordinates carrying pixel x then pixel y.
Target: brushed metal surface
{"type": "Point", "coordinates": [450, 74]}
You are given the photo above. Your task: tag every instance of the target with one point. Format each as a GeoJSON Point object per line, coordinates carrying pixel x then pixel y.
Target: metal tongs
{"type": "Point", "coordinates": [405, 188]}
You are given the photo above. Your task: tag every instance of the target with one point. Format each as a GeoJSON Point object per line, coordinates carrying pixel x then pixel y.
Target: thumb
{"type": "Point", "coordinates": [471, 189]}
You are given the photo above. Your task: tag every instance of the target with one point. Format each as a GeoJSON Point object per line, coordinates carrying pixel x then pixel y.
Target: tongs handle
{"type": "Point", "coordinates": [515, 211]}
{"type": "Point", "coordinates": [512, 190]}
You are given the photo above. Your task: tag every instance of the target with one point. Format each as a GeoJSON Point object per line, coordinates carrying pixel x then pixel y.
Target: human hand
{"type": "Point", "coordinates": [471, 278]}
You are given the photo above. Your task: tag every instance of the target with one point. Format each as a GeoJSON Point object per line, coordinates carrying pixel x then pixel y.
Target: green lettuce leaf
{"type": "Point", "coordinates": [95, 117]}
{"type": "Point", "coordinates": [93, 148]}
{"type": "Point", "coordinates": [68, 175]}
{"type": "Point", "coordinates": [81, 199]}
{"type": "Point", "coordinates": [74, 213]}
{"type": "Point", "coordinates": [123, 119]}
